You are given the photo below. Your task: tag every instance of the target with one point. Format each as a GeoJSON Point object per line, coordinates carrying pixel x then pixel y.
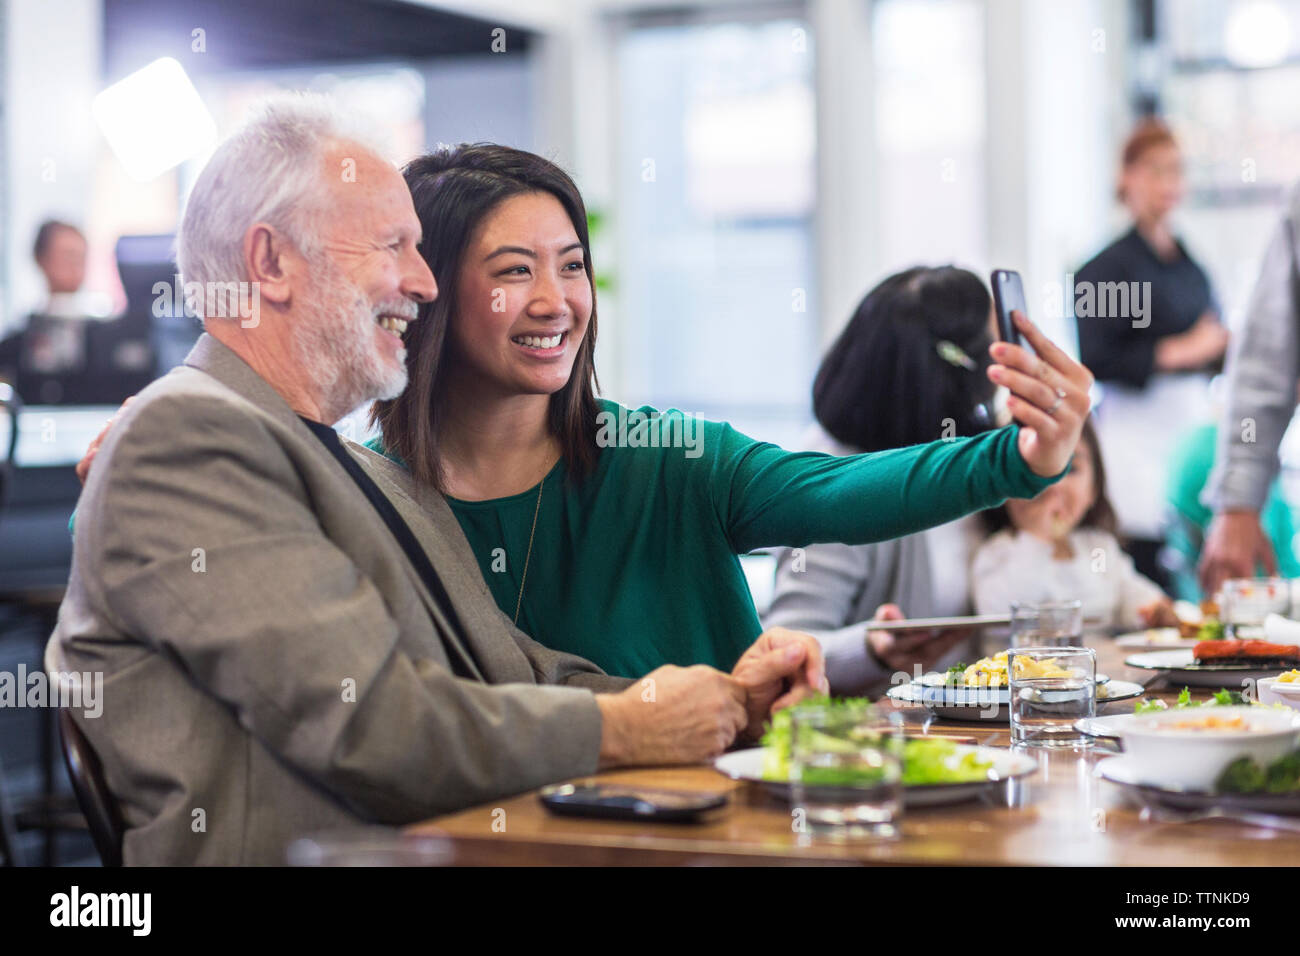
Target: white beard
{"type": "Point", "coordinates": [336, 345]}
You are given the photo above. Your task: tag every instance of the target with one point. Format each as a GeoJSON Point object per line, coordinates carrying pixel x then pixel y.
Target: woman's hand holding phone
{"type": "Point", "coordinates": [1049, 396]}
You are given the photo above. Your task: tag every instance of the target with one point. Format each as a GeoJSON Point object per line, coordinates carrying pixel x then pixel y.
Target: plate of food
{"type": "Point", "coordinates": [1215, 663]}
{"type": "Point", "coordinates": [936, 771]}
{"type": "Point", "coordinates": [1194, 625]}
{"type": "Point", "coordinates": [1283, 689]}
{"type": "Point", "coordinates": [1232, 758]}
{"type": "Point", "coordinates": [1191, 748]}
{"type": "Point", "coordinates": [1112, 726]}
{"type": "Point", "coordinates": [979, 692]}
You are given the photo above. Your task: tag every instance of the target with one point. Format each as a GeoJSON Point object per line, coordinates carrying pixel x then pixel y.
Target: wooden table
{"type": "Point", "coordinates": [1060, 815]}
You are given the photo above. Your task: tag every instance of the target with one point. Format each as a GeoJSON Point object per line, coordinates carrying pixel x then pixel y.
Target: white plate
{"type": "Point", "coordinates": [1271, 692]}
{"type": "Point", "coordinates": [980, 704]}
{"type": "Point", "coordinates": [1181, 668]}
{"type": "Point", "coordinates": [1108, 726]}
{"type": "Point", "coordinates": [1117, 692]}
{"type": "Point", "coordinates": [1166, 638]}
{"type": "Point", "coordinates": [1126, 772]}
{"type": "Point", "coordinates": [748, 765]}
{"type": "Point", "coordinates": [984, 703]}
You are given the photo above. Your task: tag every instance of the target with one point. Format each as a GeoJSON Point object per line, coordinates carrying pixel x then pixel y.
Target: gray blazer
{"type": "Point", "coordinates": [272, 664]}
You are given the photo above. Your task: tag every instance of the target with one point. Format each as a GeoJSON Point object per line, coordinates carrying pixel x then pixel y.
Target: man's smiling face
{"type": "Point", "coordinates": [366, 282]}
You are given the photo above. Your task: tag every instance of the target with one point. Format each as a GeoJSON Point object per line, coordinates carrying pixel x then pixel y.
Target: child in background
{"type": "Point", "coordinates": [1061, 546]}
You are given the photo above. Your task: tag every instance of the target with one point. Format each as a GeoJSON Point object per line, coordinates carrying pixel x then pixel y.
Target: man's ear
{"type": "Point", "coordinates": [269, 258]}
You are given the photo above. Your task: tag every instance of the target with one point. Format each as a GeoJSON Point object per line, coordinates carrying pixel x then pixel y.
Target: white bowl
{"type": "Point", "coordinates": [1193, 759]}
{"type": "Point", "coordinates": [1272, 692]}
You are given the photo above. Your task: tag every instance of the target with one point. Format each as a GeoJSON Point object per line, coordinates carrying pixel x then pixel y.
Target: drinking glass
{"type": "Point", "coordinates": [1049, 624]}
{"type": "Point", "coordinates": [1246, 602]}
{"type": "Point", "coordinates": [846, 771]}
{"type": "Point", "coordinates": [1051, 688]}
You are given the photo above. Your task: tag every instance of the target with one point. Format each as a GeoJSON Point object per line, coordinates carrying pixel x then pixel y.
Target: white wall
{"type": "Point", "coordinates": [52, 72]}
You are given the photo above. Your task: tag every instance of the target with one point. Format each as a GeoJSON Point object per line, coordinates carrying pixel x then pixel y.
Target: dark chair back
{"type": "Point", "coordinates": [11, 407]}
{"type": "Point", "coordinates": [97, 804]}
{"type": "Point", "coordinates": [10, 855]}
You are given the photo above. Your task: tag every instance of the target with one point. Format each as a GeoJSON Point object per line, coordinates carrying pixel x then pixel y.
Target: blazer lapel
{"type": "Point", "coordinates": [211, 356]}
{"type": "Point", "coordinates": [431, 521]}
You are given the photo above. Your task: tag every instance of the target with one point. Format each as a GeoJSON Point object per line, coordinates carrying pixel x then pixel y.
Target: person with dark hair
{"type": "Point", "coordinates": [1149, 331]}
{"type": "Point", "coordinates": [917, 346]}
{"type": "Point", "coordinates": [60, 253]}
{"type": "Point", "coordinates": [613, 532]}
{"type": "Point", "coordinates": [1062, 546]}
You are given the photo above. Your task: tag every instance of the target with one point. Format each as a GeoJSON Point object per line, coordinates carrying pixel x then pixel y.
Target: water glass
{"type": "Point", "coordinates": [1245, 602]}
{"type": "Point", "coordinates": [1050, 624]}
{"type": "Point", "coordinates": [1051, 688]}
{"type": "Point", "coordinates": [846, 771]}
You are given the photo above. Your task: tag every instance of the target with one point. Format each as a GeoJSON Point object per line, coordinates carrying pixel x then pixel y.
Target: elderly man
{"type": "Point", "coordinates": [289, 642]}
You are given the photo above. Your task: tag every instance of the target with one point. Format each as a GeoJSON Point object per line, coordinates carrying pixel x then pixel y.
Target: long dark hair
{"type": "Point", "coordinates": [886, 383]}
{"type": "Point", "coordinates": [455, 188]}
{"type": "Point", "coordinates": [1100, 516]}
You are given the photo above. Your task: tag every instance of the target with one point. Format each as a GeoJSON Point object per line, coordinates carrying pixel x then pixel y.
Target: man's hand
{"type": "Point", "coordinates": [83, 466]}
{"type": "Point", "coordinates": [1234, 546]}
{"type": "Point", "coordinates": [781, 668]}
{"type": "Point", "coordinates": [1049, 397]}
{"type": "Point", "coordinates": [904, 652]}
{"type": "Point", "coordinates": [673, 715]}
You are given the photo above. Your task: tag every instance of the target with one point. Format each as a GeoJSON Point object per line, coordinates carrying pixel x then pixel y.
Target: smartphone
{"type": "Point", "coordinates": [1008, 295]}
{"type": "Point", "coordinates": [615, 802]}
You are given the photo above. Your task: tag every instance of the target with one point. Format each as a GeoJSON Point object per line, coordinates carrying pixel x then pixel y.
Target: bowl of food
{"type": "Point", "coordinates": [1283, 689]}
{"type": "Point", "coordinates": [1188, 749]}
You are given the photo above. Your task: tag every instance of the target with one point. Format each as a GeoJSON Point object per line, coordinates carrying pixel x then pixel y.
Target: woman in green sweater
{"type": "Point", "coordinates": [614, 533]}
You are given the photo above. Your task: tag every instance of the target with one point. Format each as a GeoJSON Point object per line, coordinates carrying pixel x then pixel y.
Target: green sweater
{"type": "Point", "coordinates": [637, 566]}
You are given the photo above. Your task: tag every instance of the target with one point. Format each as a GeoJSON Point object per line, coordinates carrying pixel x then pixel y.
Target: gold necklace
{"type": "Point", "coordinates": [524, 577]}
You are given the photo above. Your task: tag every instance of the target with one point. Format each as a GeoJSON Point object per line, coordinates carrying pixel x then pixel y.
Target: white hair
{"type": "Point", "coordinates": [268, 171]}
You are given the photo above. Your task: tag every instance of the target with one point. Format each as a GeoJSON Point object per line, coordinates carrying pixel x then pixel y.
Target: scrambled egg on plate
{"type": "Point", "coordinates": [992, 671]}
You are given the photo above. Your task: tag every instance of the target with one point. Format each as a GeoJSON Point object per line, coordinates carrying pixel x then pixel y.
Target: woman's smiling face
{"type": "Point", "coordinates": [523, 297]}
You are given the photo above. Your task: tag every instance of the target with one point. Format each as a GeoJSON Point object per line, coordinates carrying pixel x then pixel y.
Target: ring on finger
{"type": "Point", "coordinates": [1060, 397]}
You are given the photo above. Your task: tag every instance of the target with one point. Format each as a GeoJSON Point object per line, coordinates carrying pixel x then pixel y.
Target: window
{"type": "Point", "coordinates": [717, 314]}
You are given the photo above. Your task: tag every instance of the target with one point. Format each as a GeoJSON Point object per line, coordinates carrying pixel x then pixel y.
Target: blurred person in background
{"type": "Point", "coordinates": [52, 338]}
{"type": "Point", "coordinates": [1190, 466]}
{"type": "Point", "coordinates": [1063, 546]}
{"type": "Point", "coordinates": [1153, 360]}
{"type": "Point", "coordinates": [1263, 373]}
{"type": "Point", "coordinates": [907, 369]}
{"type": "Point", "coordinates": [60, 253]}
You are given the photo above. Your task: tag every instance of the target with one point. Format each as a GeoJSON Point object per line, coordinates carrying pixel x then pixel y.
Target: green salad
{"type": "Point", "coordinates": [1211, 629]}
{"type": "Point", "coordinates": [924, 761]}
{"type": "Point", "coordinates": [1224, 698]}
